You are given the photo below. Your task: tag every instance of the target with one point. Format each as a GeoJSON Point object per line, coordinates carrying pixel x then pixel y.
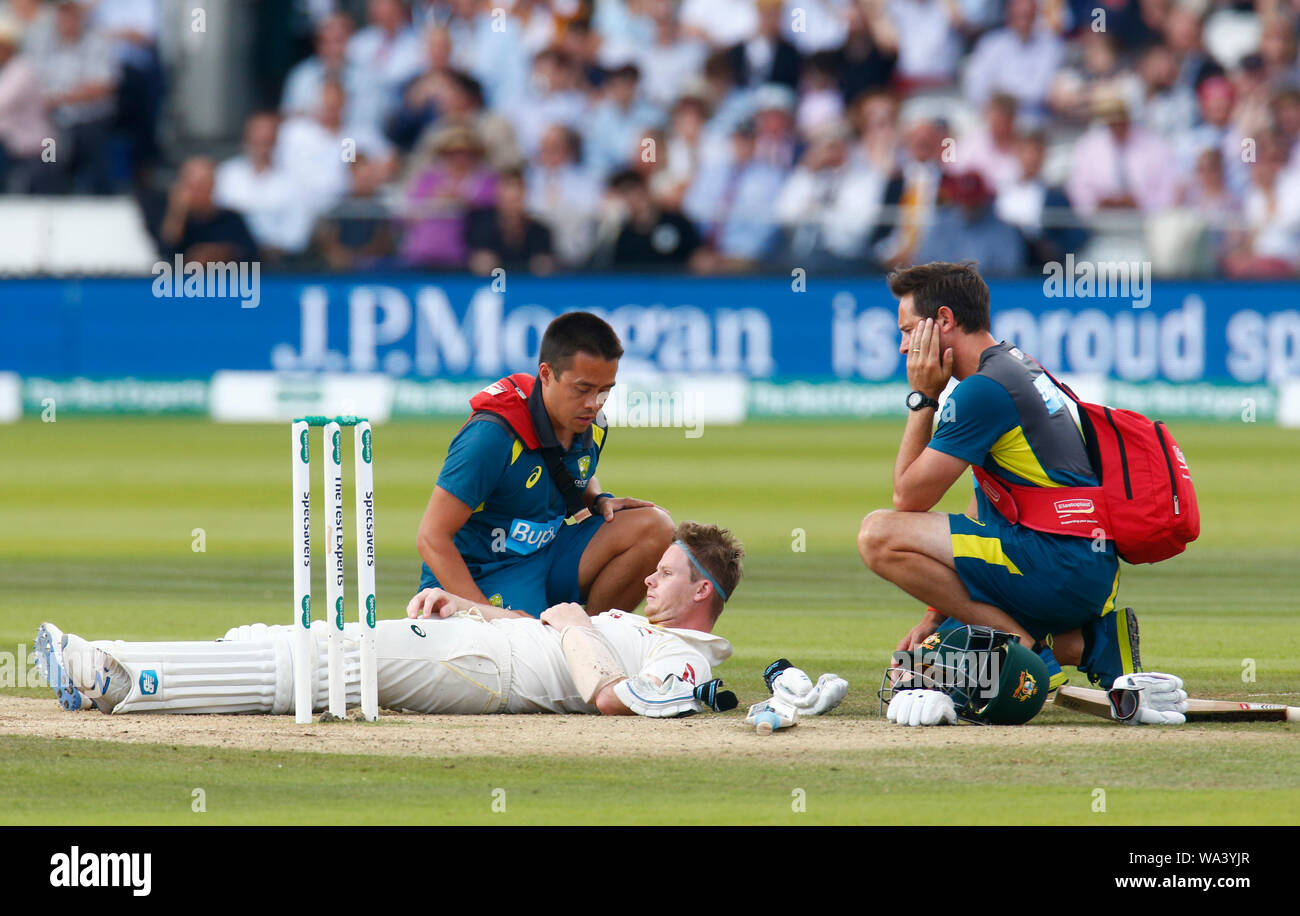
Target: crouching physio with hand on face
{"type": "Point", "coordinates": [451, 655]}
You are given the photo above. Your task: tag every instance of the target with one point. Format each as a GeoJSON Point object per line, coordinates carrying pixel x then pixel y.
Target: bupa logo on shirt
{"type": "Point", "coordinates": [528, 536]}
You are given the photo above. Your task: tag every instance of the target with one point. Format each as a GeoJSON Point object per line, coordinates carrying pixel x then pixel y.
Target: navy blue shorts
{"type": "Point", "coordinates": [535, 582]}
{"type": "Point", "coordinates": [1047, 583]}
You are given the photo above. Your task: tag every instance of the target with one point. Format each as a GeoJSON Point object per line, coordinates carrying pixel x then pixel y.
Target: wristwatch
{"type": "Point", "coordinates": [916, 400]}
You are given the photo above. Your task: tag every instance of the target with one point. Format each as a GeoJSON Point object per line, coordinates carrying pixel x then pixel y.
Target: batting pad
{"type": "Point", "coordinates": [250, 671]}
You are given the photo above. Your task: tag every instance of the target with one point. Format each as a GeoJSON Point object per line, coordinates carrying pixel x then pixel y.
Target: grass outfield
{"type": "Point", "coordinates": [102, 518]}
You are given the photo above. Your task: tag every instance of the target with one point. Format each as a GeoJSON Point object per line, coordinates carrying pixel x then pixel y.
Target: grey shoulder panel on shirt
{"type": "Point", "coordinates": [1054, 437]}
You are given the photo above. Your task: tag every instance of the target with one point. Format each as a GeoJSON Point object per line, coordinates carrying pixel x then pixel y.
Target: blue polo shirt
{"type": "Point", "coordinates": [517, 509]}
{"type": "Point", "coordinates": [1011, 420]}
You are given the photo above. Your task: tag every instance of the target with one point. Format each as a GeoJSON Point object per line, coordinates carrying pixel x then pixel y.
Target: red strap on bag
{"type": "Point", "coordinates": [1145, 502]}
{"type": "Point", "coordinates": [508, 399]}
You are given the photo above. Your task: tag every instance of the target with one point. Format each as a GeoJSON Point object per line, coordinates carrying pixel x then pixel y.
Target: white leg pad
{"type": "Point", "coordinates": [250, 671]}
{"type": "Point", "coordinates": [197, 677]}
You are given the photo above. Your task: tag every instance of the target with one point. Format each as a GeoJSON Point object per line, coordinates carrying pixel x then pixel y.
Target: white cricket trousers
{"type": "Point", "coordinates": [459, 665]}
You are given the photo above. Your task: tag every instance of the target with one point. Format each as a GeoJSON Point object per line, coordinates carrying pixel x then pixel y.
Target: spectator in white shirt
{"type": "Point", "coordinates": [388, 53]}
{"type": "Point", "coordinates": [1270, 244]}
{"type": "Point", "coordinates": [553, 98]}
{"type": "Point", "coordinates": [317, 150]}
{"type": "Point", "coordinates": [491, 45]}
{"type": "Point", "coordinates": [820, 99]}
{"type": "Point", "coordinates": [614, 124]}
{"type": "Point", "coordinates": [818, 25]}
{"type": "Point", "coordinates": [265, 194]}
{"type": "Point", "coordinates": [775, 141]}
{"type": "Point", "coordinates": [990, 149]}
{"type": "Point", "coordinates": [1162, 105]}
{"type": "Point", "coordinates": [35, 21]}
{"type": "Point", "coordinates": [563, 195]}
{"type": "Point", "coordinates": [685, 147]}
{"type": "Point", "coordinates": [829, 204]}
{"type": "Point", "coordinates": [1019, 59]}
{"type": "Point", "coordinates": [624, 27]}
{"type": "Point", "coordinates": [731, 203]}
{"type": "Point", "coordinates": [24, 124]}
{"type": "Point", "coordinates": [722, 23]}
{"type": "Point", "coordinates": [729, 103]}
{"type": "Point", "coordinates": [929, 41]}
{"type": "Point", "coordinates": [79, 77]}
{"type": "Point", "coordinates": [1215, 99]}
{"type": "Point", "coordinates": [671, 61]}
{"type": "Point", "coordinates": [330, 62]}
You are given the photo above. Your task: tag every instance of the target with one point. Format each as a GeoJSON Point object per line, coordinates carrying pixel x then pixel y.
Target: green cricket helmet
{"type": "Point", "coordinates": [991, 677]}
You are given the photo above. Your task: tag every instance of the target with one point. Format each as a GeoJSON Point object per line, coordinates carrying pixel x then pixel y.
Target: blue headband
{"type": "Point", "coordinates": [700, 566]}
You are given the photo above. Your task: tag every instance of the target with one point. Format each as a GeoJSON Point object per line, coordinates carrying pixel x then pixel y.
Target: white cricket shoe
{"type": "Point", "coordinates": [96, 673]}
{"type": "Point", "coordinates": [49, 664]}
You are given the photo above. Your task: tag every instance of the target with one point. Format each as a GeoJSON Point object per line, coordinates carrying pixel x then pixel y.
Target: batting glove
{"type": "Point", "coordinates": [795, 688]}
{"type": "Point", "coordinates": [921, 707]}
{"type": "Point", "coordinates": [1148, 699]}
{"type": "Point", "coordinates": [717, 700]}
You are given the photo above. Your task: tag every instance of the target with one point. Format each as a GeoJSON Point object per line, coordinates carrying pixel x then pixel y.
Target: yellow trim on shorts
{"type": "Point", "coordinates": [1012, 452]}
{"type": "Point", "coordinates": [516, 450]}
{"type": "Point", "coordinates": [1125, 646]}
{"type": "Point", "coordinates": [1109, 606]}
{"type": "Point", "coordinates": [981, 548]}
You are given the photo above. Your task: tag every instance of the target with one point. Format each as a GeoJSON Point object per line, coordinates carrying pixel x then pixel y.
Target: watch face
{"type": "Point", "coordinates": [914, 400]}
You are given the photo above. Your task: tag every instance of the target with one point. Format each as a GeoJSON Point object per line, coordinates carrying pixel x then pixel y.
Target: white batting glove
{"type": "Point", "coordinates": [793, 687]}
{"type": "Point", "coordinates": [1148, 699]}
{"type": "Point", "coordinates": [922, 707]}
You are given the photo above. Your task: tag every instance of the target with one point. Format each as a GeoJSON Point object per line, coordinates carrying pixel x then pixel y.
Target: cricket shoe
{"type": "Point", "coordinates": [1110, 647]}
{"type": "Point", "coordinates": [96, 673]}
{"type": "Point", "coordinates": [50, 665]}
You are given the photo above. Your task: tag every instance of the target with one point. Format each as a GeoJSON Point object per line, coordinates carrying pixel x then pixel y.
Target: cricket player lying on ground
{"type": "Point", "coordinates": [451, 655]}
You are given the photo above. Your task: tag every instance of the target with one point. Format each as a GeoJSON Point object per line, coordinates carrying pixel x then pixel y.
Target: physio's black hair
{"type": "Point", "coordinates": [578, 332]}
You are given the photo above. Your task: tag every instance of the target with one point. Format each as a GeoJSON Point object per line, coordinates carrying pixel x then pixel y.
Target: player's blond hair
{"type": "Point", "coordinates": [719, 551]}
